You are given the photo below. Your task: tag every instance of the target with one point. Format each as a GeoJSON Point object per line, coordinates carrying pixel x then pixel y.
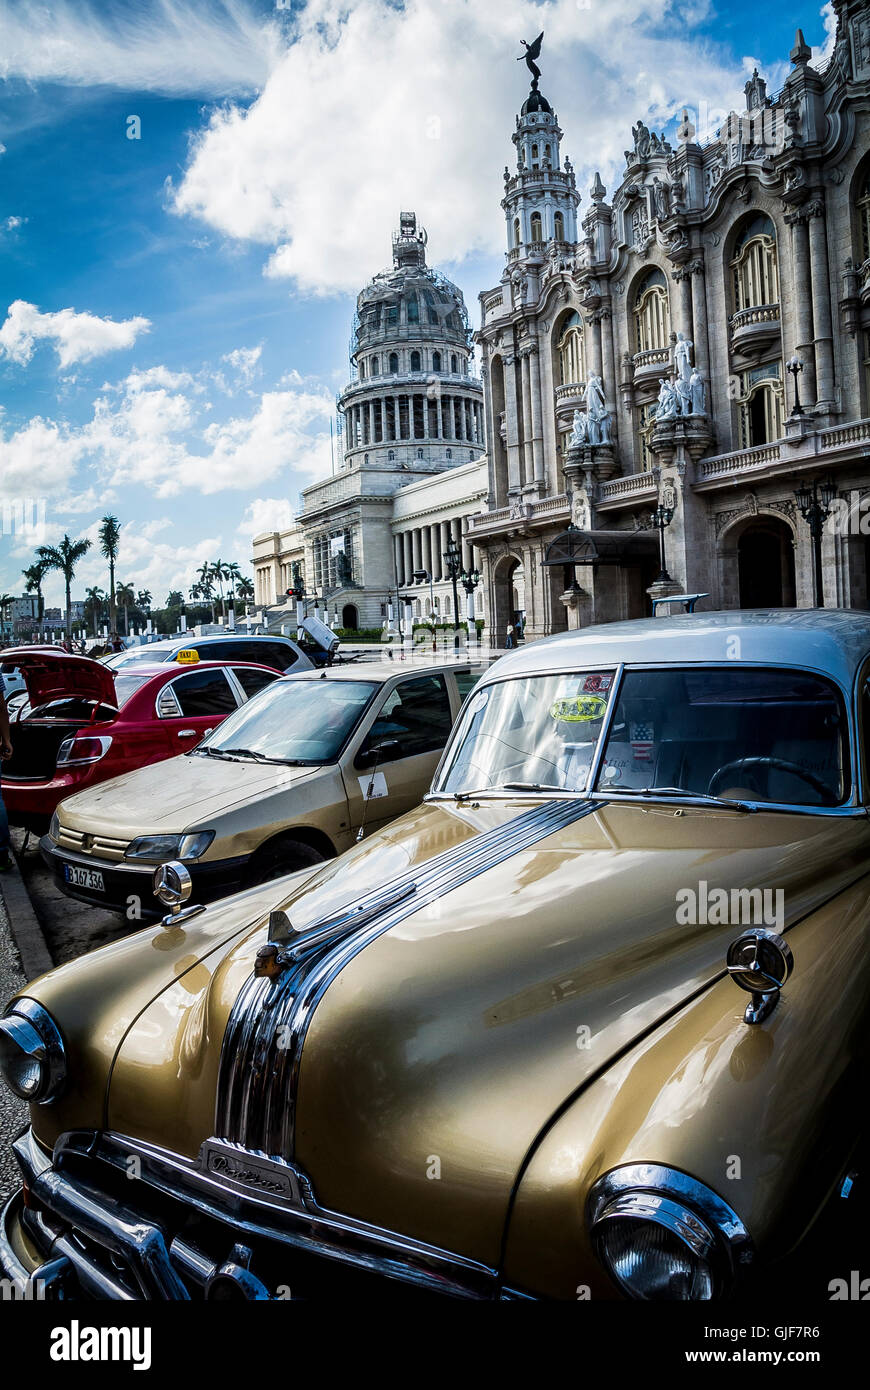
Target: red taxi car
{"type": "Point", "coordinates": [83, 723]}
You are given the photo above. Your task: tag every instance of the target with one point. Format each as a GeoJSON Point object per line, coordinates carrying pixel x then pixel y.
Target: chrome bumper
{"type": "Point", "coordinates": [94, 1246]}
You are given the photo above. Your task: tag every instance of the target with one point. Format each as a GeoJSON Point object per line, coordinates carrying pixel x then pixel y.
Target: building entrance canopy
{"type": "Point", "coordinates": [576, 547]}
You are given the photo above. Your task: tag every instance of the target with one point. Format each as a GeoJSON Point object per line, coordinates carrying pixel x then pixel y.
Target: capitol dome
{"type": "Point", "coordinates": [411, 401]}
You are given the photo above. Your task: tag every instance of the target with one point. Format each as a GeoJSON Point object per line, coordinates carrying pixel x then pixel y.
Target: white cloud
{"type": "Point", "coordinates": [150, 432]}
{"type": "Point", "coordinates": [11, 224]}
{"type": "Point", "coordinates": [244, 361]}
{"type": "Point", "coordinates": [378, 106]}
{"type": "Point", "coordinates": [175, 46]}
{"type": "Point", "coordinates": [265, 514]}
{"type": "Point", "coordinates": [75, 337]}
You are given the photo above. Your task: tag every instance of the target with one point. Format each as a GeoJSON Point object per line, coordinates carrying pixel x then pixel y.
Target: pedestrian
{"type": "Point", "coordinates": [5, 754]}
{"type": "Point", "coordinates": [117, 644]}
{"type": "Point", "coordinates": [509, 640]}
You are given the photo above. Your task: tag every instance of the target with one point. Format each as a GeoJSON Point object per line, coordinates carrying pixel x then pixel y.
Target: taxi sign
{"type": "Point", "coordinates": [188, 656]}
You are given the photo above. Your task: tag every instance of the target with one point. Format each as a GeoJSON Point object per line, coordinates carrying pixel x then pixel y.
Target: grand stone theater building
{"type": "Point", "coordinates": [638, 356]}
{"type": "Point", "coordinates": [646, 352]}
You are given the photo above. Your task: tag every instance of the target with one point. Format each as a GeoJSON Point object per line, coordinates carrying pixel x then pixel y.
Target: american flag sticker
{"type": "Point", "coordinates": [642, 741]}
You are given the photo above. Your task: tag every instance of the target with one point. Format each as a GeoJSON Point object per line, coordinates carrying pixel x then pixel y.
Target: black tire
{"type": "Point", "coordinates": [280, 857]}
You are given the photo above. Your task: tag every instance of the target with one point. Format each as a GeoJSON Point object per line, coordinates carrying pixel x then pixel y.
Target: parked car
{"type": "Point", "coordinates": [499, 1049]}
{"type": "Point", "coordinates": [284, 783]}
{"type": "Point", "coordinates": [81, 723]}
{"type": "Point", "coordinates": [280, 652]}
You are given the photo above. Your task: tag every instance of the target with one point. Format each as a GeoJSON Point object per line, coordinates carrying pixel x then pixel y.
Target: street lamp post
{"type": "Point", "coordinates": [469, 583]}
{"type": "Point", "coordinates": [453, 561]}
{"type": "Point", "coordinates": [661, 518]}
{"type": "Point", "coordinates": [795, 366]}
{"type": "Point", "coordinates": [814, 503]}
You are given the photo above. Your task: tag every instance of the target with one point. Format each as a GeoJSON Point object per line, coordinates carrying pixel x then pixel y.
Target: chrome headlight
{"type": "Point", "coordinates": [32, 1057]}
{"type": "Point", "coordinates": [662, 1235]}
{"type": "Point", "coordinates": [155, 849]}
{"type": "Point", "coordinates": [54, 828]}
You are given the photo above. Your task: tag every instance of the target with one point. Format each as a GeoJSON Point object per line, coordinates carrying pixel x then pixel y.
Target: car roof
{"type": "Point", "coordinates": [146, 669]}
{"type": "Point", "coordinates": [380, 671]}
{"type": "Point", "coordinates": [834, 642]}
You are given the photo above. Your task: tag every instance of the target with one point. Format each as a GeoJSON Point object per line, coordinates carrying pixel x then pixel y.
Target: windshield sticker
{"type": "Point", "coordinates": [579, 709]}
{"type": "Point", "coordinates": [642, 741]}
{"type": "Point", "coordinates": [597, 684]}
{"type": "Point", "coordinates": [478, 702]}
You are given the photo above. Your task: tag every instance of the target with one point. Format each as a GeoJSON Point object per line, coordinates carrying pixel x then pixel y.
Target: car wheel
{"type": "Point", "coordinates": [281, 857]}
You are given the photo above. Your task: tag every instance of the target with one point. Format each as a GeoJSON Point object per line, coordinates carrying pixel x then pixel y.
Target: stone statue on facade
{"type": "Point", "coordinates": [598, 418]}
{"type": "Point", "coordinates": [666, 407]}
{"type": "Point", "coordinates": [696, 386]}
{"type": "Point", "coordinates": [579, 430]}
{"type": "Point", "coordinates": [683, 356]}
{"type": "Point", "coordinates": [684, 396]}
{"type": "Point", "coordinates": [661, 199]}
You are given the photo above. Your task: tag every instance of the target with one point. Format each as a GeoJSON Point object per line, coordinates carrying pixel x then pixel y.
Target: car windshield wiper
{"type": "Point", "coordinates": [516, 787]}
{"type": "Point", "coordinates": [261, 757]}
{"type": "Point", "coordinates": [214, 753]}
{"type": "Point", "coordinates": [723, 801]}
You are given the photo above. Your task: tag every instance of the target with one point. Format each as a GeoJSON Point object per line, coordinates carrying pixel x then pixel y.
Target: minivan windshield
{"type": "Point", "coordinates": [292, 721]}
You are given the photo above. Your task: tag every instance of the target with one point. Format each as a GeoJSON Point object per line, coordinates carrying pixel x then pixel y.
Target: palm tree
{"type": "Point", "coordinates": [64, 557]}
{"type": "Point", "coordinates": [219, 574]}
{"type": "Point", "coordinates": [232, 574]}
{"type": "Point", "coordinates": [125, 598]}
{"type": "Point", "coordinates": [205, 587]}
{"type": "Point", "coordinates": [143, 600]}
{"type": "Point", "coordinates": [245, 589]}
{"type": "Point", "coordinates": [33, 577]}
{"type": "Point", "coordinates": [109, 536]}
{"type": "Point", "coordinates": [94, 600]}
{"type": "Point", "coordinates": [5, 601]}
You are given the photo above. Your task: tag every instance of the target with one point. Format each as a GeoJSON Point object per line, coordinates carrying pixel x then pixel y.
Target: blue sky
{"type": "Point", "coordinates": [175, 309]}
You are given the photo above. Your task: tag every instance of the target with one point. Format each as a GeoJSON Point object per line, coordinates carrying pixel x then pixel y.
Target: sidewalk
{"type": "Point", "coordinates": [13, 1112]}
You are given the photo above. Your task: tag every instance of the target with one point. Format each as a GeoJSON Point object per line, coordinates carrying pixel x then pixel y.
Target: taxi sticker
{"type": "Point", "coordinates": [374, 786]}
{"type": "Point", "coordinates": [578, 709]}
{"type": "Point", "coordinates": [187, 657]}
{"type": "Point", "coordinates": [597, 684]}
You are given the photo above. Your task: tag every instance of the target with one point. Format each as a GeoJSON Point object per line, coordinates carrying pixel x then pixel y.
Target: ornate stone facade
{"type": "Point", "coordinates": [647, 353]}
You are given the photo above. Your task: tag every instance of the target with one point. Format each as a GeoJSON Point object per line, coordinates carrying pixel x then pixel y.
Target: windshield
{"type": "Point", "coordinates": [144, 653]}
{"type": "Point", "coordinates": [126, 686]}
{"type": "Point", "coordinates": [293, 721]}
{"type": "Point", "coordinates": [540, 731]}
{"type": "Point", "coordinates": [759, 735]}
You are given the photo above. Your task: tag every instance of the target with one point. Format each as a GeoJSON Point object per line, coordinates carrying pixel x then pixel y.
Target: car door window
{"type": "Point", "coordinates": [252, 681]}
{"type": "Point", "coordinates": [465, 683]}
{"type": "Point", "coordinates": [415, 718]}
{"type": "Point", "coordinates": [203, 693]}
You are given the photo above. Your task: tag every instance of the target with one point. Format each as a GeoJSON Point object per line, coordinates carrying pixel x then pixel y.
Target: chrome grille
{"type": "Point", "coordinates": [262, 1047]}
{"type": "Point", "coordinates": [101, 846]}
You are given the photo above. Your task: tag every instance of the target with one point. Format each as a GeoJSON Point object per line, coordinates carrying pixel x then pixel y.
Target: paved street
{"type": "Point", "coordinates": [70, 928]}
{"type": "Point", "coordinates": [13, 1113]}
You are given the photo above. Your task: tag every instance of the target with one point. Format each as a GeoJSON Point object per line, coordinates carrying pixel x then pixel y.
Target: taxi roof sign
{"type": "Point", "coordinates": [188, 656]}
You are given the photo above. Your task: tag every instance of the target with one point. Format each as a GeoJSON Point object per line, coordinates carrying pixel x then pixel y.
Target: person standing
{"type": "Point", "coordinates": [5, 753]}
{"type": "Point", "coordinates": [509, 640]}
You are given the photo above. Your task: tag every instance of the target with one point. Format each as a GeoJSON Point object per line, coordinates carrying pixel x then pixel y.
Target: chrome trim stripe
{"type": "Point", "coordinates": [265, 1034]}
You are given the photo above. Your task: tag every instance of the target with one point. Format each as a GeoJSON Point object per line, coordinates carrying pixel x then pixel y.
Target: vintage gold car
{"type": "Point", "coordinates": [322, 757]}
{"type": "Point", "coordinates": [588, 1023]}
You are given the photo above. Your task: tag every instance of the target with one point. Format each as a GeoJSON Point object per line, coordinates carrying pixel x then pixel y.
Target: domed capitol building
{"type": "Point", "coordinates": [675, 382]}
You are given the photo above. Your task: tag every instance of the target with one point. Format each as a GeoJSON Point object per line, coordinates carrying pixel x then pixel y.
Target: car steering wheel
{"type": "Point", "coordinates": [781, 764]}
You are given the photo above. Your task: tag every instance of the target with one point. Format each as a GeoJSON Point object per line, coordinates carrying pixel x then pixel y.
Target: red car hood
{"type": "Point", "coordinates": [49, 675]}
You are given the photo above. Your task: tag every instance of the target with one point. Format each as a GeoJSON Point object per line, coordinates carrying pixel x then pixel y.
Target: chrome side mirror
{"type": "Point", "coordinates": [760, 962]}
{"type": "Point", "coordinates": [172, 887]}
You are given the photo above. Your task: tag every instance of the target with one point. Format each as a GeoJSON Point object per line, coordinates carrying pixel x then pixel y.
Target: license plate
{"type": "Point", "coordinates": [84, 878]}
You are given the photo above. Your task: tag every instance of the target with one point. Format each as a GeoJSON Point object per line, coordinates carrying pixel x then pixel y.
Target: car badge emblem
{"type": "Point", "coordinates": [87, 842]}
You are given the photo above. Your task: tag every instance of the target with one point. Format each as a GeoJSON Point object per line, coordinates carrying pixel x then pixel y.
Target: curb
{"type": "Point", "coordinates": [24, 924]}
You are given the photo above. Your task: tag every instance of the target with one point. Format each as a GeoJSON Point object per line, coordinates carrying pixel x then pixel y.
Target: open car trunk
{"type": "Point", "coordinates": [35, 744]}
{"type": "Point", "coordinates": [63, 693]}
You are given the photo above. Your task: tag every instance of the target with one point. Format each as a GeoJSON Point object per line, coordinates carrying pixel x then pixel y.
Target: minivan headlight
{"type": "Point", "coordinates": [662, 1235]}
{"type": "Point", "coordinates": [32, 1056]}
{"type": "Point", "coordinates": [155, 849]}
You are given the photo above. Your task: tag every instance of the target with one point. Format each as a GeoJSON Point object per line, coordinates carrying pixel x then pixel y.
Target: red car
{"type": "Point", "coordinates": [82, 723]}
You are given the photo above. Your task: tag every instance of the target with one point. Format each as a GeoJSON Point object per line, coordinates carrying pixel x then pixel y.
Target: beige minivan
{"type": "Point", "coordinates": [296, 776]}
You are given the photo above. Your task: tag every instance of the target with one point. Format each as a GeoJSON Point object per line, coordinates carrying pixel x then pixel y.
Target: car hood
{"type": "Point", "coordinates": [50, 675]}
{"type": "Point", "coordinates": [442, 1048]}
{"type": "Point", "coordinates": [169, 795]}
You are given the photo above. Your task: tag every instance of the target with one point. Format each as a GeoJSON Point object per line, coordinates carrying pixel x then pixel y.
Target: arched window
{"type": "Point", "coordinates": [391, 455]}
{"type": "Point", "coordinates": [652, 320]}
{"type": "Point", "coordinates": [394, 364]}
{"type": "Point", "coordinates": [365, 458]}
{"type": "Point", "coordinates": [375, 367]}
{"type": "Point", "coordinates": [415, 361]}
{"type": "Point", "coordinates": [753, 265]}
{"type": "Point", "coordinates": [537, 234]}
{"type": "Point", "coordinates": [517, 234]}
{"type": "Point", "coordinates": [761, 405]}
{"type": "Point", "coordinates": [448, 453]}
{"type": "Point", "coordinates": [436, 361]}
{"type": "Point", "coordinates": [559, 226]}
{"type": "Point", "coordinates": [570, 350]}
{"type": "Point", "coordinates": [362, 371]}
{"type": "Point", "coordinates": [454, 364]}
{"type": "Point", "coordinates": [413, 309]}
{"type": "Point", "coordinates": [534, 156]}
{"type": "Point", "coordinates": [419, 453]}
{"type": "Point", "coordinates": [863, 208]}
